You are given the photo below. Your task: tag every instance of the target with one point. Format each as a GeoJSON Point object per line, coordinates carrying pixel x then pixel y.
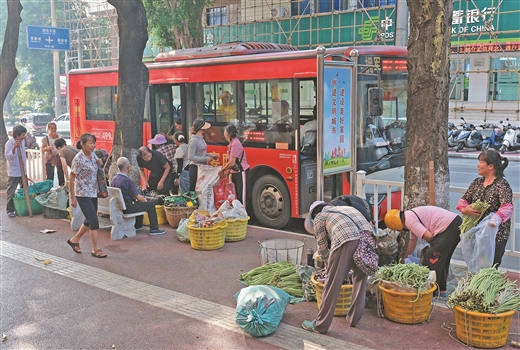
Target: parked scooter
{"type": "Point", "coordinates": [453, 132]}
{"type": "Point", "coordinates": [509, 143]}
{"type": "Point", "coordinates": [493, 140]}
{"type": "Point", "coordinates": [469, 137]}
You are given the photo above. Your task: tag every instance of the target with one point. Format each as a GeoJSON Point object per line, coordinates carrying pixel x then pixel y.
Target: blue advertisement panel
{"type": "Point", "coordinates": [337, 110]}
{"type": "Point", "coordinates": [48, 38]}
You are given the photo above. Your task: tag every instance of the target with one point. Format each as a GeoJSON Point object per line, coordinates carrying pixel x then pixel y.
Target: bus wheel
{"type": "Point", "coordinates": [271, 202]}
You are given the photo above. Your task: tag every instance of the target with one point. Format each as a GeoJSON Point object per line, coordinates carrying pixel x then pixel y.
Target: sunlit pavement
{"type": "Point", "coordinates": [154, 292]}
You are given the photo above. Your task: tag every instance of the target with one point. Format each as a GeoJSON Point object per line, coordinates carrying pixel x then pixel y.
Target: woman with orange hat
{"type": "Point", "coordinates": [437, 226]}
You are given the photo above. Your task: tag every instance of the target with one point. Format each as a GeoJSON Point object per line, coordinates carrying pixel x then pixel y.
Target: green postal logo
{"type": "Point", "coordinates": [369, 28]}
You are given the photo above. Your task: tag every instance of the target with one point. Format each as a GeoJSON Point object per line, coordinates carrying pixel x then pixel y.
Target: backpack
{"type": "Point", "coordinates": [359, 204]}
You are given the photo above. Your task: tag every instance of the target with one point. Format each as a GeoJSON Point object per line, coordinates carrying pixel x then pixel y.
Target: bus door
{"type": "Point", "coordinates": [332, 184]}
{"type": "Point", "coordinates": [165, 106]}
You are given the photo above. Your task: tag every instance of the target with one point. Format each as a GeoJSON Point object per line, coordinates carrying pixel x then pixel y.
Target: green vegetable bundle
{"type": "Point", "coordinates": [468, 222]}
{"type": "Point", "coordinates": [408, 275]}
{"type": "Point", "coordinates": [488, 291]}
{"type": "Point", "coordinates": [282, 275]}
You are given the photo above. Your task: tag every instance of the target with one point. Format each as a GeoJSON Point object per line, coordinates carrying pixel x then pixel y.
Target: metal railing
{"type": "Point", "coordinates": [387, 187]}
{"type": "Point", "coordinates": [35, 164]}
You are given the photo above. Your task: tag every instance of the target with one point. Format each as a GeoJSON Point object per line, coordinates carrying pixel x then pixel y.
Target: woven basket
{"type": "Point", "coordinates": [482, 330]}
{"type": "Point", "coordinates": [344, 300]}
{"type": "Point", "coordinates": [405, 307]}
{"type": "Point", "coordinates": [175, 214]}
{"type": "Point", "coordinates": [236, 230]}
{"type": "Point", "coordinates": [208, 238]}
{"type": "Point", "coordinates": [51, 213]}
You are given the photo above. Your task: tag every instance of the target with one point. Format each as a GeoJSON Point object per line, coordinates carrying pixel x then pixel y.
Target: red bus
{"type": "Point", "coordinates": [258, 76]}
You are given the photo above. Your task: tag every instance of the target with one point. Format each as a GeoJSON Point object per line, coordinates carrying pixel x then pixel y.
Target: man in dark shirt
{"type": "Point", "coordinates": [160, 179]}
{"type": "Point", "coordinates": [133, 200]}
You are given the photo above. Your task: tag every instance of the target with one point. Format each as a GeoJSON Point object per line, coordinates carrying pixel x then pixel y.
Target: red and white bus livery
{"type": "Point", "coordinates": [262, 79]}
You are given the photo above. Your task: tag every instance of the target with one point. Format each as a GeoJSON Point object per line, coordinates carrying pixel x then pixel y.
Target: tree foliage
{"type": "Point", "coordinates": [427, 106]}
{"type": "Point", "coordinates": [133, 81]}
{"type": "Point", "coordinates": [176, 23]}
{"type": "Point", "coordinates": [33, 64]}
{"type": "Point", "coordinates": [8, 71]}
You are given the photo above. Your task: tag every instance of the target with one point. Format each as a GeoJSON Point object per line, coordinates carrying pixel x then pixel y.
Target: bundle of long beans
{"type": "Point", "coordinates": [282, 275]}
{"type": "Point", "coordinates": [489, 291]}
{"type": "Point", "coordinates": [468, 222]}
{"type": "Point", "coordinates": [408, 275]}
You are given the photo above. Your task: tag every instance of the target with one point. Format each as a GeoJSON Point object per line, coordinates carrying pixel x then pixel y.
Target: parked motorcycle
{"type": "Point", "coordinates": [509, 143]}
{"type": "Point", "coordinates": [453, 132]}
{"type": "Point", "coordinates": [494, 139]}
{"type": "Point", "coordinates": [469, 137]}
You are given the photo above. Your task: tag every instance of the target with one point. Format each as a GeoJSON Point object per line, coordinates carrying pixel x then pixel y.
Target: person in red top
{"type": "Point", "coordinates": [237, 166]}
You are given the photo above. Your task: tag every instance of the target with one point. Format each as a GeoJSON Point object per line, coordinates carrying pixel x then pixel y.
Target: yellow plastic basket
{"type": "Point", "coordinates": [161, 216]}
{"type": "Point", "coordinates": [487, 331]}
{"type": "Point", "coordinates": [402, 307]}
{"type": "Point", "coordinates": [208, 238]}
{"type": "Point", "coordinates": [344, 300]}
{"type": "Point", "coordinates": [236, 230]}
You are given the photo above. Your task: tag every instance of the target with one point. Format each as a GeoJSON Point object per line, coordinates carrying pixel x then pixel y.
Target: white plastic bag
{"type": "Point", "coordinates": [182, 230]}
{"type": "Point", "coordinates": [478, 245]}
{"type": "Point", "coordinates": [207, 176]}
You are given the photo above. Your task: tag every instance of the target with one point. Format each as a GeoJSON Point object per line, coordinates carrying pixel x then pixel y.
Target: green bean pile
{"type": "Point", "coordinates": [468, 222]}
{"type": "Point", "coordinates": [408, 275]}
{"type": "Point", "coordinates": [282, 275]}
{"type": "Point", "coordinates": [488, 291]}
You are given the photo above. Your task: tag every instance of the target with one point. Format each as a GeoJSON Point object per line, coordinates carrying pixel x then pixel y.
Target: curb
{"type": "Point", "coordinates": [474, 155]}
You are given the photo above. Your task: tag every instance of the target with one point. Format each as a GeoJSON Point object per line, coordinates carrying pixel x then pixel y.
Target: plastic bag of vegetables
{"type": "Point", "coordinates": [260, 309]}
{"type": "Point", "coordinates": [478, 245]}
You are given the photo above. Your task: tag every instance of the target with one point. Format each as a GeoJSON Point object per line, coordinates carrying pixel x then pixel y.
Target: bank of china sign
{"type": "Point", "coordinates": [473, 20]}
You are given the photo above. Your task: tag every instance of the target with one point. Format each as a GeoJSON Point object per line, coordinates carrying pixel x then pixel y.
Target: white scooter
{"type": "Point", "coordinates": [509, 143]}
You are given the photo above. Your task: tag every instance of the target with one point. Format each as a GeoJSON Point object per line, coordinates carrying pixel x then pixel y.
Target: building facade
{"type": "Point", "coordinates": [485, 52]}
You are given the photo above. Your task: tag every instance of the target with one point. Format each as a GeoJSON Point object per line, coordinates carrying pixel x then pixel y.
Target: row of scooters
{"type": "Point", "coordinates": [502, 137]}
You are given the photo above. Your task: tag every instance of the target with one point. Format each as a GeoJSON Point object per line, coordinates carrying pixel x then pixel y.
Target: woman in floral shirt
{"type": "Point", "coordinates": [495, 190]}
{"type": "Point", "coordinates": [83, 191]}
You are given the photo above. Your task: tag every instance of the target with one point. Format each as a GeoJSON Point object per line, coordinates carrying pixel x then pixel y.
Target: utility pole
{"type": "Point", "coordinates": [56, 62]}
{"type": "Point", "coordinates": [401, 23]}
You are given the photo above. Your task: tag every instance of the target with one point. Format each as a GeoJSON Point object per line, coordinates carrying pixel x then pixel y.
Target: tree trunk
{"type": "Point", "coordinates": [133, 82]}
{"type": "Point", "coordinates": [8, 71]}
{"type": "Point", "coordinates": [427, 106]}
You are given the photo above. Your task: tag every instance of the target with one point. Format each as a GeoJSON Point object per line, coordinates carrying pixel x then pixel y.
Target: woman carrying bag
{"type": "Point", "coordinates": [52, 156]}
{"type": "Point", "coordinates": [237, 166]}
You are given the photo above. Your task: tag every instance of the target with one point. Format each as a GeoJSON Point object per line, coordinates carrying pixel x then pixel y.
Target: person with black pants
{"type": "Point", "coordinates": [437, 226]}
{"type": "Point", "coordinates": [135, 202]}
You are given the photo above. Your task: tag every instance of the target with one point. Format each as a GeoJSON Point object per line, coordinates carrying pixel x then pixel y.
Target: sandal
{"type": "Point", "coordinates": [98, 254]}
{"type": "Point", "coordinates": [74, 246]}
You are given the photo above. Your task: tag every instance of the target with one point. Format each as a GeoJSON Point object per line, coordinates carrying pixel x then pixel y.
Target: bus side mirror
{"type": "Point", "coordinates": [375, 101]}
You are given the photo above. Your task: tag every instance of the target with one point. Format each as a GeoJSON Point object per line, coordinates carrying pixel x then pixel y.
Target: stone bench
{"type": "Point", "coordinates": [113, 205]}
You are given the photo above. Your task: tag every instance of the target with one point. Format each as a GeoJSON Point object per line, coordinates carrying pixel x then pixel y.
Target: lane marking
{"type": "Point", "coordinates": [287, 337]}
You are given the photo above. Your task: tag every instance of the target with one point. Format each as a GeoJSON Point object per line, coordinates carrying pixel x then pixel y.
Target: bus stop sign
{"type": "Point", "coordinates": [48, 38]}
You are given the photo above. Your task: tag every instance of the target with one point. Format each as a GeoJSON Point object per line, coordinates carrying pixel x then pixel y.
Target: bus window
{"type": "Point", "coordinates": [101, 102]}
{"type": "Point", "coordinates": [226, 102]}
{"type": "Point", "coordinates": [203, 96]}
{"type": "Point", "coordinates": [307, 100]}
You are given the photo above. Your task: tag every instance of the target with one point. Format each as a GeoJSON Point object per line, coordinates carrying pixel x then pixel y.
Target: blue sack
{"type": "Point", "coordinates": [260, 309]}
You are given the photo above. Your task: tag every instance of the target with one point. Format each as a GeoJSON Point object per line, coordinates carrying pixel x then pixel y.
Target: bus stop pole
{"type": "Point", "coordinates": [320, 53]}
{"type": "Point", "coordinates": [56, 62]}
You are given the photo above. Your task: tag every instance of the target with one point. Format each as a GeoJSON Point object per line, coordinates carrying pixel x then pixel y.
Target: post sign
{"type": "Point", "coordinates": [337, 107]}
{"type": "Point", "coordinates": [48, 38]}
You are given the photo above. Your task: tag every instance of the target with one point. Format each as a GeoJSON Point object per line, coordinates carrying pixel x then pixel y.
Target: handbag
{"type": "Point", "coordinates": [102, 183]}
{"type": "Point", "coordinates": [223, 191]}
{"type": "Point", "coordinates": [365, 256]}
{"type": "Point", "coordinates": [237, 167]}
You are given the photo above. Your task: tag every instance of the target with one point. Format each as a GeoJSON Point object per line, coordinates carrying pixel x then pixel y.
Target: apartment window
{"type": "Point", "coordinates": [216, 16]}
